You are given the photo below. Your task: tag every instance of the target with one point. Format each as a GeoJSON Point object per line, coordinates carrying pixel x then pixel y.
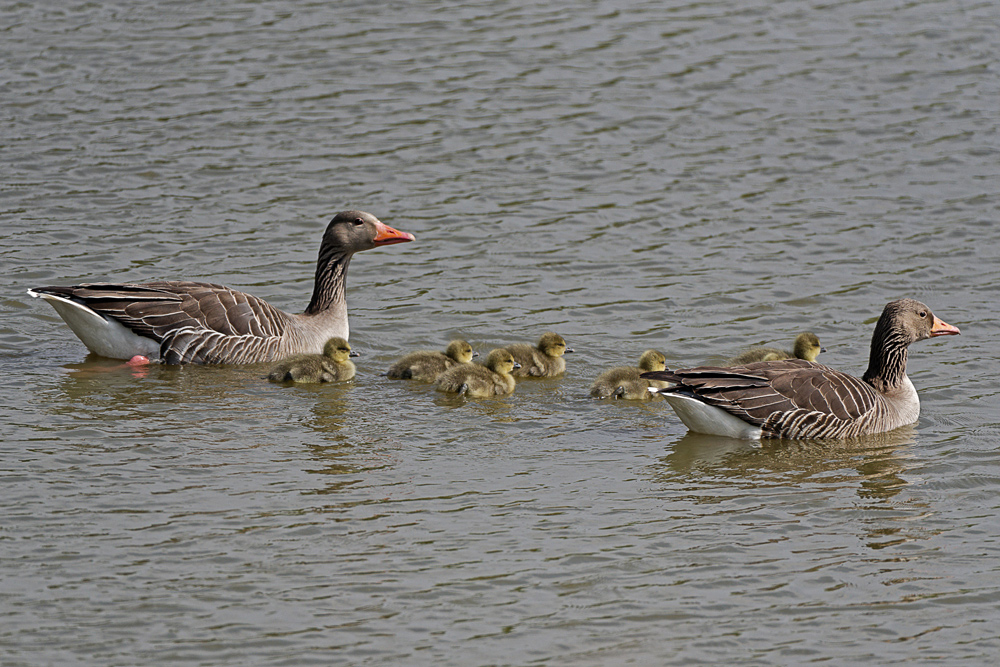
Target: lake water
{"type": "Point", "coordinates": [694, 177]}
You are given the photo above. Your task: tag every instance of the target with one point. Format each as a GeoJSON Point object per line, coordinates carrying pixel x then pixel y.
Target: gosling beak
{"type": "Point", "coordinates": [354, 353]}
{"type": "Point", "coordinates": [822, 350]}
{"type": "Point", "coordinates": [943, 329]}
{"type": "Point", "coordinates": [387, 235]}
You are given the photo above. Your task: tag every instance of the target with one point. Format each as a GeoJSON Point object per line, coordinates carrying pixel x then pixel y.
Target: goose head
{"type": "Point", "coordinates": [460, 351]}
{"type": "Point", "coordinates": [337, 349]}
{"type": "Point", "coordinates": [353, 231]}
{"type": "Point", "coordinates": [553, 344]}
{"type": "Point", "coordinates": [652, 360]}
{"type": "Point", "coordinates": [501, 361]}
{"type": "Point", "coordinates": [807, 346]}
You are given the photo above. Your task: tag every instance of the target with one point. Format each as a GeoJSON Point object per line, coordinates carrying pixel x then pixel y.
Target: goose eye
{"type": "Point", "coordinates": [358, 221]}
{"type": "Point", "coordinates": [923, 313]}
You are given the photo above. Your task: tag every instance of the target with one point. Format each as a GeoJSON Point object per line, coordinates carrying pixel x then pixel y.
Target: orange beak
{"type": "Point", "coordinates": [943, 329]}
{"type": "Point", "coordinates": [387, 235]}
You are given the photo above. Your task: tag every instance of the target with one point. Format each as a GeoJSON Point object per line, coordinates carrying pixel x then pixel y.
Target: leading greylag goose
{"type": "Point", "coordinates": [179, 322]}
{"type": "Point", "coordinates": [795, 398]}
{"type": "Point", "coordinates": [625, 381]}
{"type": "Point", "coordinates": [427, 365]}
{"type": "Point", "coordinates": [334, 365]}
{"type": "Point", "coordinates": [806, 347]}
{"type": "Point", "coordinates": [481, 381]}
{"type": "Point", "coordinates": [542, 360]}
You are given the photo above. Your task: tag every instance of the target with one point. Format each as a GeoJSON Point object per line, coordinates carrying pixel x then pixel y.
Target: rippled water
{"type": "Point", "coordinates": [694, 177]}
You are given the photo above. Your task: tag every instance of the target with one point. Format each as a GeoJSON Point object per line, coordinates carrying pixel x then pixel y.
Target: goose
{"type": "Point", "coordinates": [795, 398]}
{"type": "Point", "coordinates": [179, 322]}
{"type": "Point", "coordinates": [331, 366]}
{"type": "Point", "coordinates": [806, 347]}
{"type": "Point", "coordinates": [624, 381]}
{"type": "Point", "coordinates": [542, 360]}
{"type": "Point", "coordinates": [427, 365]}
{"type": "Point", "coordinates": [480, 381]}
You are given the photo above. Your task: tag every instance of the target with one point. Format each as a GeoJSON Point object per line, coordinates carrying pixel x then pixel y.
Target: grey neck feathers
{"type": "Point", "coordinates": [331, 281]}
{"type": "Point", "coordinates": [887, 362]}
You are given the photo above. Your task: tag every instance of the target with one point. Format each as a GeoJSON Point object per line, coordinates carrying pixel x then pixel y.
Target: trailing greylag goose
{"type": "Point", "coordinates": [427, 365]}
{"type": "Point", "coordinates": [624, 381]}
{"type": "Point", "coordinates": [542, 360]}
{"type": "Point", "coordinates": [331, 366]}
{"type": "Point", "coordinates": [806, 347]}
{"type": "Point", "coordinates": [795, 398]}
{"type": "Point", "coordinates": [481, 381]}
{"type": "Point", "coordinates": [180, 322]}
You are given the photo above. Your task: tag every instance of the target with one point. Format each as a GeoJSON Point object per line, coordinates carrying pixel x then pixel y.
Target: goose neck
{"type": "Point", "coordinates": [329, 290]}
{"type": "Point", "coordinates": [887, 361]}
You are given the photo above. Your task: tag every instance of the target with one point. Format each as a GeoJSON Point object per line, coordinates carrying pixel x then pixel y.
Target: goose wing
{"type": "Point", "coordinates": [788, 398]}
{"type": "Point", "coordinates": [193, 322]}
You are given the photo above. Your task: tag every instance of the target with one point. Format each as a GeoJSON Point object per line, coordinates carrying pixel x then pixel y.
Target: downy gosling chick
{"type": "Point", "coordinates": [806, 347]}
{"type": "Point", "coordinates": [331, 366]}
{"type": "Point", "coordinates": [543, 360]}
{"type": "Point", "coordinates": [427, 365]}
{"type": "Point", "coordinates": [624, 381]}
{"type": "Point", "coordinates": [480, 381]}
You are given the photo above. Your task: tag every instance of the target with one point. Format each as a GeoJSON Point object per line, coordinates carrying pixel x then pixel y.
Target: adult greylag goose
{"type": "Point", "coordinates": [427, 365]}
{"type": "Point", "coordinates": [806, 347]}
{"type": "Point", "coordinates": [481, 381]}
{"type": "Point", "coordinates": [625, 381]}
{"type": "Point", "coordinates": [542, 360]}
{"type": "Point", "coordinates": [795, 398]}
{"type": "Point", "coordinates": [333, 365]}
{"type": "Point", "coordinates": [179, 322]}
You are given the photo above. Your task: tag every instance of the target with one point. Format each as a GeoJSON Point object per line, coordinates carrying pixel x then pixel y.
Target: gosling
{"type": "Point", "coordinates": [331, 366]}
{"type": "Point", "coordinates": [427, 365]}
{"type": "Point", "coordinates": [624, 381]}
{"type": "Point", "coordinates": [481, 381]}
{"type": "Point", "coordinates": [543, 360]}
{"type": "Point", "coordinates": [806, 347]}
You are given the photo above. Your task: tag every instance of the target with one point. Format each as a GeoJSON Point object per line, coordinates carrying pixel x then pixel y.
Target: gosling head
{"type": "Point", "coordinates": [337, 349]}
{"type": "Point", "coordinates": [501, 361]}
{"type": "Point", "coordinates": [553, 344]}
{"type": "Point", "coordinates": [460, 351]}
{"type": "Point", "coordinates": [652, 360]}
{"type": "Point", "coordinates": [807, 346]}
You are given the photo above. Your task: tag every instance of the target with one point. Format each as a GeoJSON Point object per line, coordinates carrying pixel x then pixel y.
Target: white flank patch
{"type": "Point", "coordinates": [702, 418]}
{"type": "Point", "coordinates": [102, 336]}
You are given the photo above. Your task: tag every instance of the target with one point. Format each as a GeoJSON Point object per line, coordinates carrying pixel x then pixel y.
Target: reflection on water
{"type": "Point", "coordinates": [876, 460]}
{"type": "Point", "coordinates": [716, 470]}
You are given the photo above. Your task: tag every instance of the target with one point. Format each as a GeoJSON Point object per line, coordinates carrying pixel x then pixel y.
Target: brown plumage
{"type": "Point", "coordinates": [427, 365]}
{"type": "Point", "coordinates": [542, 360]}
{"type": "Point", "coordinates": [806, 347]}
{"type": "Point", "coordinates": [480, 381]}
{"type": "Point", "coordinates": [331, 366]}
{"type": "Point", "coordinates": [181, 322]}
{"type": "Point", "coordinates": [801, 399]}
{"type": "Point", "coordinates": [625, 381]}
